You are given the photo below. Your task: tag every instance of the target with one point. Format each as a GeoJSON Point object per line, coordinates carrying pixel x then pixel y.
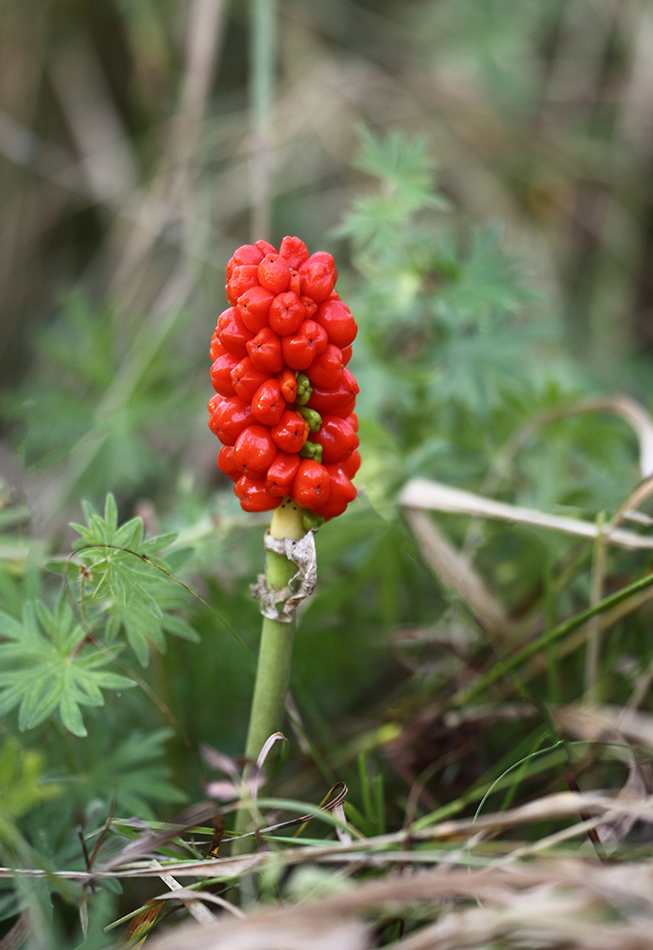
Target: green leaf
{"type": "Point", "coordinates": [46, 664]}
{"type": "Point", "coordinates": [129, 583]}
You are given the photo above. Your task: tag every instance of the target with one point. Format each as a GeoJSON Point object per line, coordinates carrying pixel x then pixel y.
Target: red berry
{"type": "Point", "coordinates": [227, 463]}
{"type": "Point", "coordinates": [229, 419]}
{"type": "Point", "coordinates": [318, 278]}
{"type": "Point", "coordinates": [337, 438]}
{"type": "Point", "coordinates": [353, 421]}
{"type": "Point", "coordinates": [346, 354]}
{"type": "Point", "coordinates": [326, 369]}
{"type": "Point", "coordinates": [345, 411]}
{"type": "Point", "coordinates": [268, 405]}
{"type": "Point", "coordinates": [274, 273]}
{"type": "Point", "coordinates": [246, 379]}
{"type": "Point", "coordinates": [288, 384]}
{"type": "Point", "coordinates": [352, 464]}
{"type": "Point", "coordinates": [253, 307]}
{"type": "Point", "coordinates": [265, 248]}
{"type": "Point", "coordinates": [281, 474]}
{"type": "Point", "coordinates": [247, 254]}
{"type": "Point", "coordinates": [300, 349]}
{"type": "Point", "coordinates": [341, 492]}
{"type": "Point", "coordinates": [213, 403]}
{"type": "Point", "coordinates": [233, 333]}
{"type": "Point", "coordinates": [337, 320]}
{"type": "Point", "coordinates": [295, 282]}
{"type": "Point", "coordinates": [323, 257]}
{"type": "Point", "coordinates": [221, 374]}
{"type": "Point", "coordinates": [336, 398]}
{"type": "Point", "coordinates": [286, 314]}
{"type": "Point", "coordinates": [294, 252]}
{"type": "Point", "coordinates": [310, 305]}
{"type": "Point", "coordinates": [290, 432]}
{"type": "Point", "coordinates": [311, 485]}
{"type": "Point", "coordinates": [217, 349]}
{"type": "Point", "coordinates": [335, 401]}
{"type": "Point", "coordinates": [242, 278]}
{"type": "Point", "coordinates": [265, 351]}
{"type": "Point", "coordinates": [254, 496]}
{"type": "Point", "coordinates": [255, 450]}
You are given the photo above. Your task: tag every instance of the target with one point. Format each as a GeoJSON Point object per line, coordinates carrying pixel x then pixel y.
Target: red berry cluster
{"type": "Point", "coordinates": [284, 403]}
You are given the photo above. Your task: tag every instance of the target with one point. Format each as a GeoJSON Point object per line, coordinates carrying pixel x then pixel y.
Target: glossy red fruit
{"type": "Point", "coordinates": [353, 421]}
{"type": "Point", "coordinates": [217, 349]}
{"type": "Point", "coordinates": [255, 450]}
{"type": "Point", "coordinates": [254, 306]}
{"type": "Point", "coordinates": [266, 248]}
{"type": "Point", "coordinates": [317, 281]}
{"type": "Point", "coordinates": [286, 314]}
{"type": "Point", "coordinates": [337, 438]}
{"type": "Point", "coordinates": [242, 278]}
{"type": "Point", "coordinates": [300, 348]}
{"type": "Point", "coordinates": [214, 402]}
{"type": "Point", "coordinates": [290, 432]}
{"type": "Point", "coordinates": [310, 306]}
{"type": "Point", "coordinates": [265, 351]}
{"type": "Point", "coordinates": [233, 333]}
{"type": "Point", "coordinates": [337, 320]}
{"type": "Point", "coordinates": [341, 492]}
{"type": "Point", "coordinates": [227, 463]}
{"type": "Point", "coordinates": [346, 354]}
{"type": "Point", "coordinates": [281, 474]}
{"type": "Point", "coordinates": [295, 282]}
{"type": "Point", "coordinates": [254, 496]}
{"type": "Point", "coordinates": [323, 257]}
{"type": "Point", "coordinates": [318, 277]}
{"type": "Point", "coordinates": [268, 405]}
{"type": "Point", "coordinates": [352, 464]}
{"type": "Point", "coordinates": [336, 400]}
{"type": "Point", "coordinates": [274, 273]}
{"type": "Point", "coordinates": [247, 254]}
{"type": "Point", "coordinates": [221, 374]}
{"type": "Point", "coordinates": [229, 419]}
{"type": "Point", "coordinates": [326, 369]}
{"type": "Point", "coordinates": [311, 485]}
{"type": "Point", "coordinates": [288, 383]}
{"type": "Point", "coordinates": [294, 252]}
{"type": "Point", "coordinates": [246, 379]}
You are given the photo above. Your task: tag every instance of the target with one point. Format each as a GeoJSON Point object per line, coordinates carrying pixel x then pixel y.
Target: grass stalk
{"type": "Point", "coordinates": [593, 654]}
{"type": "Point", "coordinates": [552, 636]}
{"type": "Point", "coordinates": [262, 53]}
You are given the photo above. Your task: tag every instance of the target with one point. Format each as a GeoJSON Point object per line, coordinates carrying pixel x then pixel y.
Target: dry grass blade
{"type": "Point", "coordinates": [289, 933]}
{"type": "Point", "coordinates": [543, 904]}
{"type": "Point", "coordinates": [603, 723]}
{"type": "Point", "coordinates": [455, 572]}
{"type": "Point", "coordinates": [189, 899]}
{"type": "Point", "coordinates": [151, 841]}
{"type": "Point", "coordinates": [423, 493]}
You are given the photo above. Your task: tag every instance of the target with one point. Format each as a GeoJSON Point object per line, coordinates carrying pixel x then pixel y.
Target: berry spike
{"type": "Point", "coordinates": [284, 408]}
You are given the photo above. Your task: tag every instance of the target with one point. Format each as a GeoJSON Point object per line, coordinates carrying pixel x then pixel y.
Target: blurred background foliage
{"type": "Point", "coordinates": [483, 173]}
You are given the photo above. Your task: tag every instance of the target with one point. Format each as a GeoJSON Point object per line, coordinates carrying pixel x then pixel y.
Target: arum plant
{"type": "Point", "coordinates": [284, 411]}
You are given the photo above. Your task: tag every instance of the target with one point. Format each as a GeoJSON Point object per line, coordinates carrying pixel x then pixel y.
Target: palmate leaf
{"type": "Point", "coordinates": [131, 590]}
{"type": "Point", "coordinates": [43, 667]}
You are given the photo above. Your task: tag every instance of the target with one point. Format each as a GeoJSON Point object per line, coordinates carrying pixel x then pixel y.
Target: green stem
{"type": "Point", "coordinates": [275, 651]}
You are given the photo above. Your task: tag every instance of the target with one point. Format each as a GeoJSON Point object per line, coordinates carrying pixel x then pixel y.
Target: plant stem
{"type": "Point", "coordinates": [275, 651]}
